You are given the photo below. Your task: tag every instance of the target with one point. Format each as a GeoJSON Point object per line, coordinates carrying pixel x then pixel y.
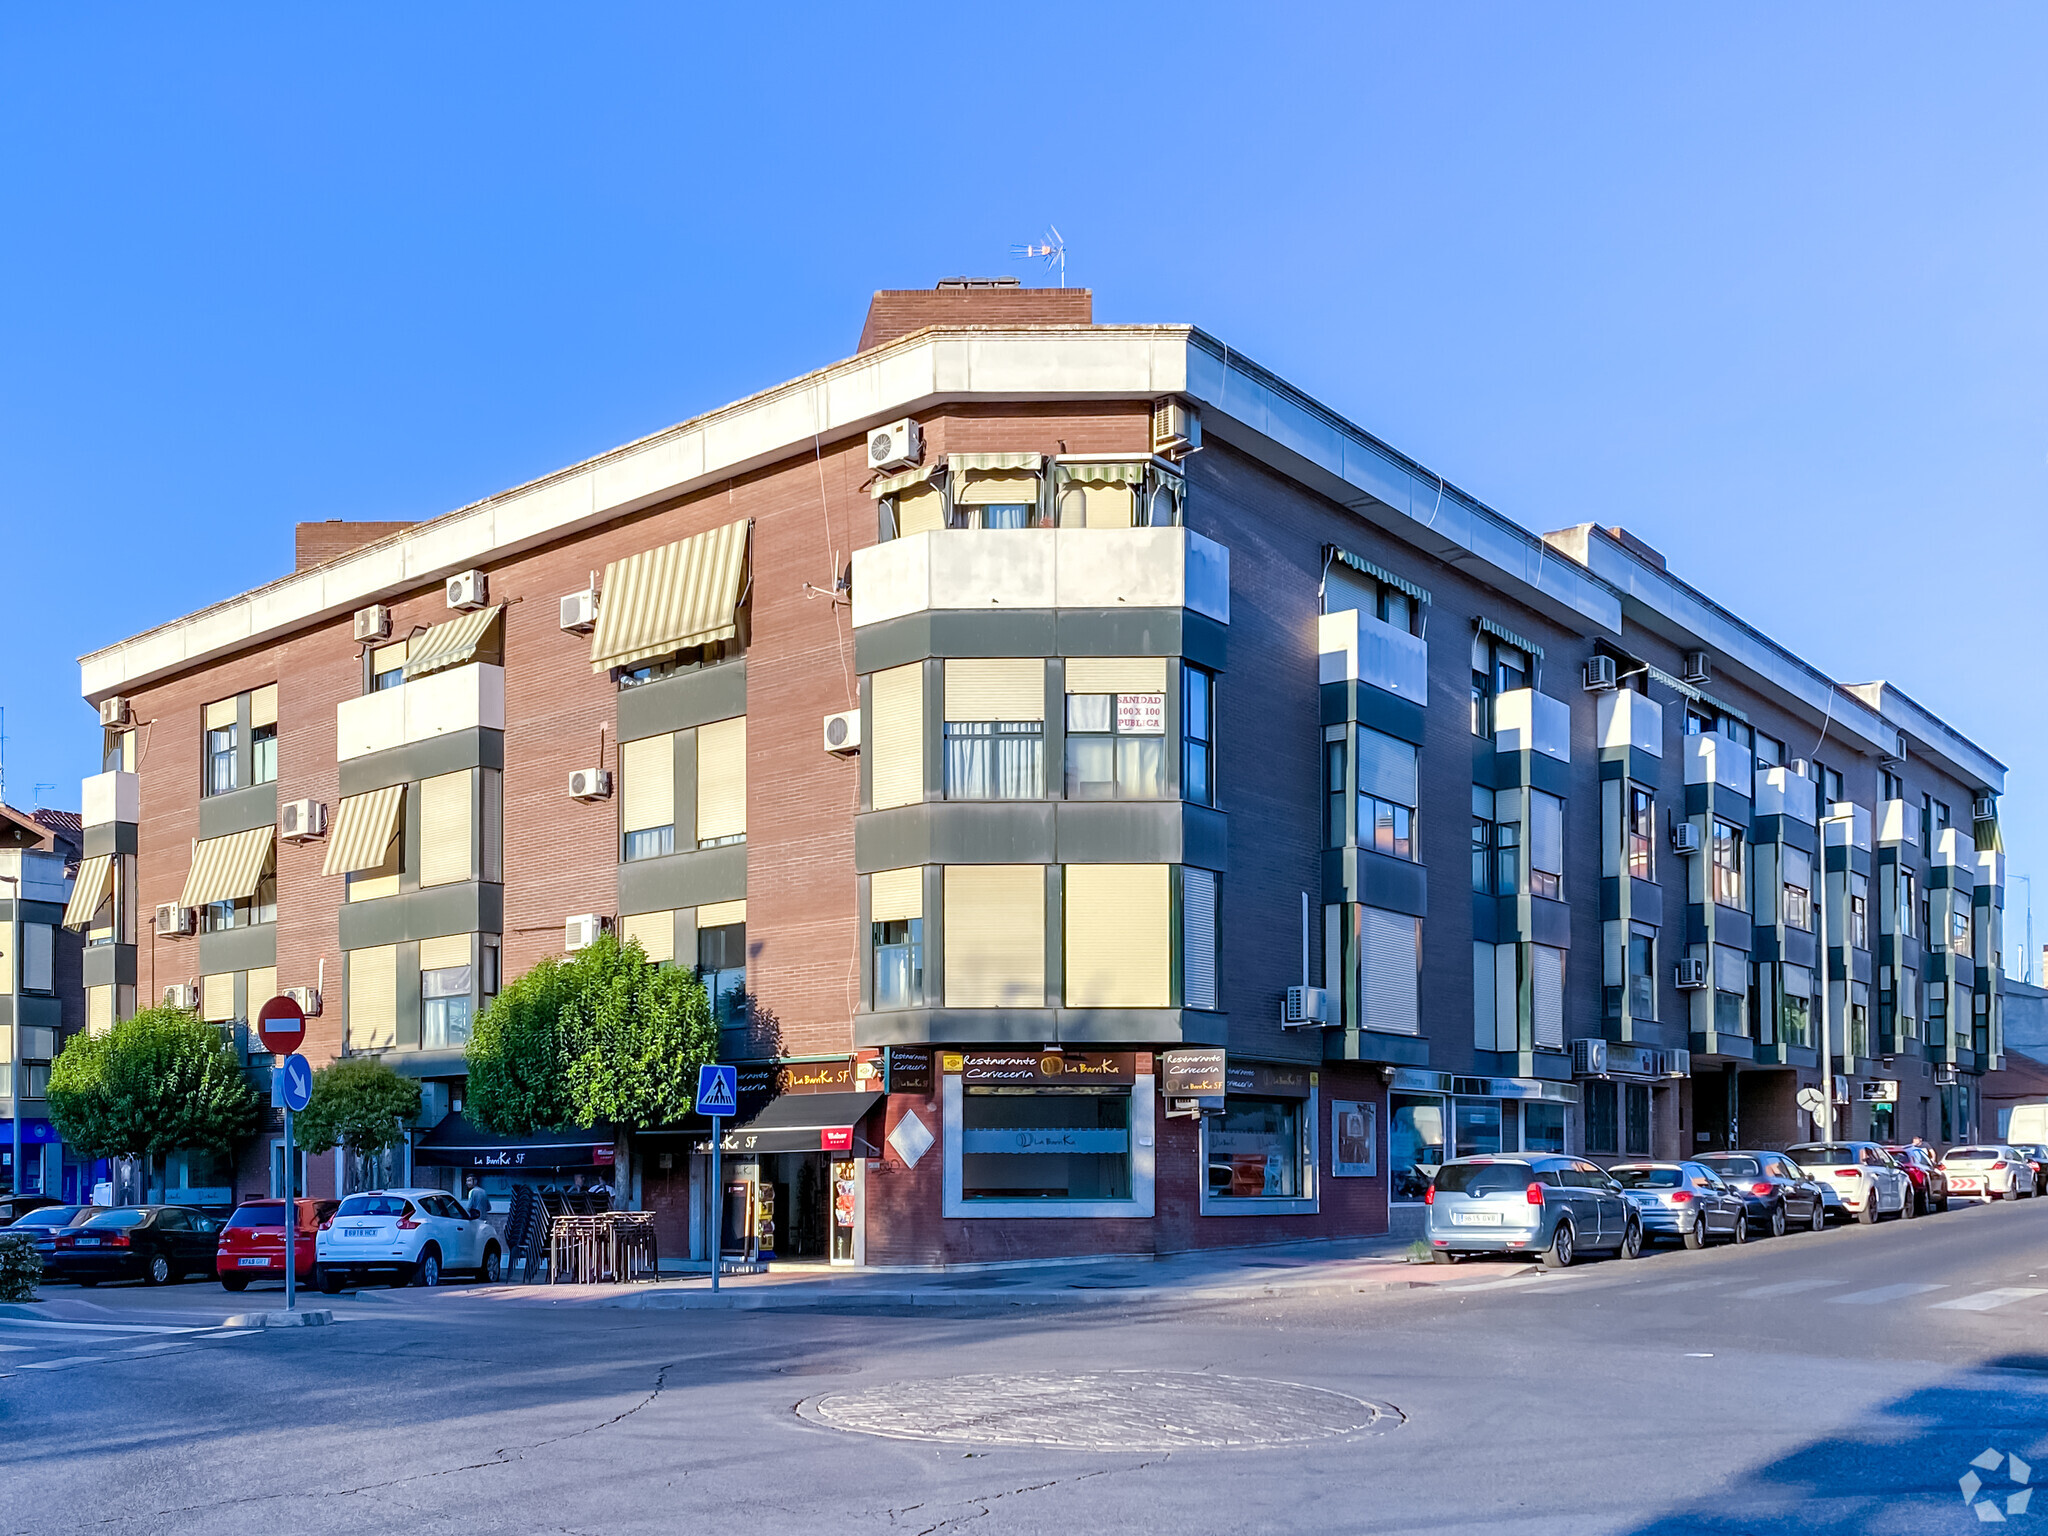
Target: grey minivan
{"type": "Point", "coordinates": [1538, 1203]}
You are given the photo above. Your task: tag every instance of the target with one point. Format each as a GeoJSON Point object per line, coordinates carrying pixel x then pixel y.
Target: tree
{"type": "Point", "coordinates": [160, 1082]}
{"type": "Point", "coordinates": [605, 1036]}
{"type": "Point", "coordinates": [360, 1105]}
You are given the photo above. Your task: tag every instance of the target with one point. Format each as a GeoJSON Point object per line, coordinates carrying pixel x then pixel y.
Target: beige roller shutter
{"type": "Point", "coordinates": [655, 931]}
{"type": "Point", "coordinates": [439, 954]}
{"type": "Point", "coordinates": [995, 936]}
{"type": "Point", "coordinates": [649, 765]}
{"type": "Point", "coordinates": [373, 998]}
{"type": "Point", "coordinates": [1119, 936]}
{"type": "Point", "coordinates": [1116, 674]}
{"type": "Point", "coordinates": [896, 742]}
{"type": "Point", "coordinates": [722, 779]}
{"type": "Point", "coordinates": [721, 914]}
{"type": "Point", "coordinates": [217, 997]}
{"type": "Point", "coordinates": [1108, 506]}
{"type": "Point", "coordinates": [895, 895]}
{"type": "Point", "coordinates": [997, 486]}
{"type": "Point", "coordinates": [995, 688]}
{"type": "Point", "coordinates": [99, 1010]}
{"type": "Point", "coordinates": [221, 715]}
{"type": "Point", "coordinates": [260, 987]}
{"type": "Point", "coordinates": [389, 658]}
{"type": "Point", "coordinates": [921, 509]}
{"type": "Point", "coordinates": [263, 705]}
{"type": "Point", "coordinates": [445, 827]}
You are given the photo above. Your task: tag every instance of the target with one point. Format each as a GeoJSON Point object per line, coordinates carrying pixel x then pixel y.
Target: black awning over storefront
{"type": "Point", "coordinates": [804, 1122]}
{"type": "Point", "coordinates": [455, 1143]}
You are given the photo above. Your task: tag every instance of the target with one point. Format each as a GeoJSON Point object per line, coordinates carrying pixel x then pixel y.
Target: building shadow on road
{"type": "Point", "coordinates": [1901, 1472]}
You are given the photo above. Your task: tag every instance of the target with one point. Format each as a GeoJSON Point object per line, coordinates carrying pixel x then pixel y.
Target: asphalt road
{"type": "Point", "coordinates": [1832, 1383]}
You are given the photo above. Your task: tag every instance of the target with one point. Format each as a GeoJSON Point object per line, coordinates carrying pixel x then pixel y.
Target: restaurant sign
{"type": "Point", "coordinates": [1033, 1069]}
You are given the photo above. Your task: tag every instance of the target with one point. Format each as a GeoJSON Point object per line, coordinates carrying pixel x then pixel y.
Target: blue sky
{"type": "Point", "coordinates": [1763, 285]}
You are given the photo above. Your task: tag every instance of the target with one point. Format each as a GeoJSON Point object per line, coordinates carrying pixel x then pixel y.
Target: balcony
{"type": "Point", "coordinates": [1357, 647]}
{"type": "Point", "coordinates": [33, 875]}
{"type": "Point", "coordinates": [1041, 568]}
{"type": "Point", "coordinates": [106, 798]}
{"type": "Point", "coordinates": [1855, 832]}
{"type": "Point", "coordinates": [1952, 846]}
{"type": "Point", "coordinates": [1629, 720]}
{"type": "Point", "coordinates": [1781, 792]}
{"type": "Point", "coordinates": [1898, 822]}
{"type": "Point", "coordinates": [440, 704]}
{"type": "Point", "coordinates": [1527, 721]}
{"type": "Point", "coordinates": [1711, 758]}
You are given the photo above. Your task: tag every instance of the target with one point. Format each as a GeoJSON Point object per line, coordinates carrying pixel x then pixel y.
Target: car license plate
{"type": "Point", "coordinates": [358, 1231]}
{"type": "Point", "coordinates": [254, 1263]}
{"type": "Point", "coordinates": [1476, 1218]}
{"type": "Point", "coordinates": [88, 1242]}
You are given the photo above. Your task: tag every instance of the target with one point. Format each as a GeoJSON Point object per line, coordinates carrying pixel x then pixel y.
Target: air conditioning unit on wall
{"type": "Point", "coordinates": [582, 931]}
{"type": "Point", "coordinates": [1600, 674]}
{"type": "Point", "coordinates": [114, 711]}
{"type": "Point", "coordinates": [1692, 974]}
{"type": "Point", "coordinates": [1589, 1058]}
{"type": "Point", "coordinates": [900, 445]}
{"type": "Point", "coordinates": [1303, 1007]}
{"type": "Point", "coordinates": [590, 784]}
{"type": "Point", "coordinates": [1176, 428]}
{"type": "Point", "coordinates": [469, 590]}
{"type": "Point", "coordinates": [373, 623]}
{"type": "Point", "coordinates": [181, 994]}
{"type": "Point", "coordinates": [579, 611]}
{"type": "Point", "coordinates": [308, 999]}
{"type": "Point", "coordinates": [1685, 838]}
{"type": "Point", "coordinates": [174, 921]}
{"type": "Point", "coordinates": [1697, 668]}
{"type": "Point", "coordinates": [299, 820]}
{"type": "Point", "coordinates": [842, 733]}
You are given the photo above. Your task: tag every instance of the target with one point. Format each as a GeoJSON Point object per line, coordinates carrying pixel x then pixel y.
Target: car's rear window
{"type": "Point", "coordinates": [1484, 1178]}
{"type": "Point", "coordinates": [372, 1205]}
{"type": "Point", "coordinates": [1731, 1167]}
{"type": "Point", "coordinates": [1647, 1178]}
{"type": "Point", "coordinates": [1973, 1154]}
{"type": "Point", "coordinates": [51, 1216]}
{"type": "Point", "coordinates": [1830, 1153]}
{"type": "Point", "coordinates": [128, 1218]}
{"type": "Point", "coordinates": [258, 1216]}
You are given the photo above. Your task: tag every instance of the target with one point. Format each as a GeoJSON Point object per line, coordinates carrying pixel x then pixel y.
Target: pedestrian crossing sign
{"type": "Point", "coordinates": [717, 1090]}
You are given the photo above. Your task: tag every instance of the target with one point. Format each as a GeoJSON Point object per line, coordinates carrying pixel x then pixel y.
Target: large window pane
{"type": "Point", "coordinates": [1255, 1150]}
{"type": "Point", "coordinates": [1415, 1142]}
{"type": "Point", "coordinates": [995, 760]}
{"type": "Point", "coordinates": [1045, 1144]}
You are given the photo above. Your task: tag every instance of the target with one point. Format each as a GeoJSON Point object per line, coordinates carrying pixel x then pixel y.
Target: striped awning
{"type": "Point", "coordinates": [95, 880]}
{"type": "Point", "coordinates": [363, 829]}
{"type": "Point", "coordinates": [1502, 632]}
{"type": "Point", "coordinates": [1382, 575]}
{"type": "Point", "coordinates": [666, 599]}
{"type": "Point", "coordinates": [960, 462]}
{"type": "Point", "coordinates": [1130, 472]}
{"type": "Point", "coordinates": [453, 644]}
{"type": "Point", "coordinates": [227, 868]}
{"type": "Point", "coordinates": [889, 485]}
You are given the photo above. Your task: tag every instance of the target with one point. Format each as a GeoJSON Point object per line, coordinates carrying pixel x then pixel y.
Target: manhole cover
{"type": "Point", "coordinates": [1101, 1411]}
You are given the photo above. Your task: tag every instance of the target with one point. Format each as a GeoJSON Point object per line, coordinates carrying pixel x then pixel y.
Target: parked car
{"type": "Point", "coordinates": [1930, 1184]}
{"type": "Point", "coordinates": [1869, 1183]}
{"type": "Point", "coordinates": [1686, 1201]}
{"type": "Point", "coordinates": [1989, 1172]}
{"type": "Point", "coordinates": [45, 1222]}
{"type": "Point", "coordinates": [252, 1242]}
{"type": "Point", "coordinates": [1555, 1207]}
{"type": "Point", "coordinates": [14, 1207]}
{"type": "Point", "coordinates": [155, 1244]}
{"type": "Point", "coordinates": [2037, 1155]}
{"type": "Point", "coordinates": [410, 1236]}
{"type": "Point", "coordinates": [1777, 1191]}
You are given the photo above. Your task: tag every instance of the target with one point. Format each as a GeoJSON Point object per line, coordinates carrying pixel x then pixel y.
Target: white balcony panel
{"type": "Point", "coordinates": [1527, 721]}
{"type": "Point", "coordinates": [1711, 758]}
{"type": "Point", "coordinates": [1991, 869]}
{"type": "Point", "coordinates": [1952, 846]}
{"type": "Point", "coordinates": [1856, 829]}
{"type": "Point", "coordinates": [977, 570]}
{"type": "Point", "coordinates": [1780, 792]}
{"type": "Point", "coordinates": [1628, 719]}
{"type": "Point", "coordinates": [1898, 822]}
{"type": "Point", "coordinates": [1355, 646]}
{"type": "Point", "coordinates": [110, 797]}
{"type": "Point", "coordinates": [41, 875]}
{"type": "Point", "coordinates": [460, 699]}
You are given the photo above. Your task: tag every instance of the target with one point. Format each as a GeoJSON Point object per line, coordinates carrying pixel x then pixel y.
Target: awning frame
{"type": "Point", "coordinates": [453, 643]}
{"type": "Point", "coordinates": [92, 885]}
{"type": "Point", "coordinates": [359, 820]}
{"type": "Point", "coordinates": [228, 868]}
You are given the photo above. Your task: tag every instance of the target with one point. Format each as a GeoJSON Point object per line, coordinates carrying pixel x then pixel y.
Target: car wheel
{"type": "Point", "coordinates": [235, 1283]}
{"type": "Point", "coordinates": [428, 1271]}
{"type": "Point", "coordinates": [1695, 1236]}
{"type": "Point", "coordinates": [1778, 1219]}
{"type": "Point", "coordinates": [1941, 1205]}
{"type": "Point", "coordinates": [493, 1266]}
{"type": "Point", "coordinates": [1912, 1205]}
{"type": "Point", "coordinates": [1741, 1232]}
{"type": "Point", "coordinates": [1870, 1211]}
{"type": "Point", "coordinates": [1820, 1216]}
{"type": "Point", "coordinates": [1632, 1241]}
{"type": "Point", "coordinates": [1560, 1253]}
{"type": "Point", "coordinates": [158, 1271]}
{"type": "Point", "coordinates": [328, 1280]}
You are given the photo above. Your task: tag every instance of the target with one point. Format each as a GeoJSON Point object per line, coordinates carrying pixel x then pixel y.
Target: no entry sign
{"type": "Point", "coordinates": [282, 1025]}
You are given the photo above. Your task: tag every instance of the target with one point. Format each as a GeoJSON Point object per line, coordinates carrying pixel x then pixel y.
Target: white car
{"type": "Point", "coordinates": [410, 1235]}
{"type": "Point", "coordinates": [1868, 1180]}
{"type": "Point", "coordinates": [1988, 1173]}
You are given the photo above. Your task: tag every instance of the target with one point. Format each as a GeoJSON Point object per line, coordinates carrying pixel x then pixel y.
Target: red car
{"type": "Point", "coordinates": [252, 1243]}
{"type": "Point", "coordinates": [1930, 1184]}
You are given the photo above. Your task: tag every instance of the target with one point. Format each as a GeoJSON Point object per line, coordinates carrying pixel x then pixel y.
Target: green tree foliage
{"type": "Point", "coordinates": [360, 1104]}
{"type": "Point", "coordinates": [602, 1036]}
{"type": "Point", "coordinates": [159, 1082]}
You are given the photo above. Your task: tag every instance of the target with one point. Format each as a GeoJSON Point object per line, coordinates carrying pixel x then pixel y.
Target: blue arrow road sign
{"type": "Point", "coordinates": [292, 1084]}
{"type": "Point", "coordinates": [717, 1090]}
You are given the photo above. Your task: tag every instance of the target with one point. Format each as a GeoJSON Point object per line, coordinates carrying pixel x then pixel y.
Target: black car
{"type": "Point", "coordinates": [155, 1244]}
{"type": "Point", "coordinates": [1777, 1190]}
{"type": "Point", "coordinates": [14, 1207]}
{"type": "Point", "coordinates": [42, 1225]}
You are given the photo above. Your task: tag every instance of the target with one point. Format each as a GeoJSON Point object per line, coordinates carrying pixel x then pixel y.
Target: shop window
{"type": "Point", "coordinates": [1727, 864]}
{"type": "Point", "coordinates": [1642, 833]}
{"type": "Point", "coordinates": [1045, 1144]}
{"type": "Point", "coordinates": [722, 964]}
{"type": "Point", "coordinates": [1603, 1129]}
{"type": "Point", "coordinates": [1478, 1126]}
{"type": "Point", "coordinates": [1256, 1149]}
{"type": "Point", "coordinates": [1198, 736]}
{"type": "Point", "coordinates": [1797, 883]}
{"type": "Point", "coordinates": [1542, 1127]}
{"type": "Point", "coordinates": [1635, 1119]}
{"type": "Point", "coordinates": [1415, 1142]}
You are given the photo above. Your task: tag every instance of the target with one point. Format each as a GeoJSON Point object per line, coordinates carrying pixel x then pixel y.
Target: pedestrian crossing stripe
{"type": "Point", "coordinates": [717, 1090]}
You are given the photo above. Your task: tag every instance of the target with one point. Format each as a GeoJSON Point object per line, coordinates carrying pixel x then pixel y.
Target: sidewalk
{"type": "Point", "coordinates": [1305, 1269]}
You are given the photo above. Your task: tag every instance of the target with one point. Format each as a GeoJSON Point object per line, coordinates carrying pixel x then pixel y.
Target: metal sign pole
{"type": "Point", "coordinates": [291, 1218]}
{"type": "Point", "coordinates": [717, 1201]}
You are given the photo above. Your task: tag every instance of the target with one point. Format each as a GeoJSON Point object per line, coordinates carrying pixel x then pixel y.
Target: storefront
{"type": "Point", "coordinates": [1432, 1116]}
{"type": "Point", "coordinates": [794, 1169]}
{"type": "Point", "coordinates": [1047, 1133]}
{"type": "Point", "coordinates": [454, 1152]}
{"type": "Point", "coordinates": [1259, 1152]}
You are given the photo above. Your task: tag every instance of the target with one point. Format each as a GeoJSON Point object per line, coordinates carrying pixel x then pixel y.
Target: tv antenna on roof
{"type": "Point", "coordinates": [1053, 248]}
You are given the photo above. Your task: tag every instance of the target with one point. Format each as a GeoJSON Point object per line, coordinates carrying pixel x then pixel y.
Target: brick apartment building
{"type": "Point", "coordinates": [988, 769]}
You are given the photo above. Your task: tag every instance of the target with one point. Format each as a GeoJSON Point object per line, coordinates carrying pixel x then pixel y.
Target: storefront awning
{"type": "Point", "coordinates": [227, 868]}
{"type": "Point", "coordinates": [363, 830]}
{"type": "Point", "coordinates": [95, 880]}
{"type": "Point", "coordinates": [455, 1143]}
{"type": "Point", "coordinates": [671, 598]}
{"type": "Point", "coordinates": [456, 643]}
{"type": "Point", "coordinates": [804, 1122]}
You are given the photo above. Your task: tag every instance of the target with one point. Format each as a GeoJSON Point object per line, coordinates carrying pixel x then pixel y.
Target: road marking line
{"type": "Point", "coordinates": [1787, 1287]}
{"type": "Point", "coordinates": [153, 1349]}
{"type": "Point", "coordinates": [1985, 1301]}
{"type": "Point", "coordinates": [39, 1322]}
{"type": "Point", "coordinates": [1663, 1287]}
{"type": "Point", "coordinates": [58, 1365]}
{"type": "Point", "coordinates": [1883, 1294]}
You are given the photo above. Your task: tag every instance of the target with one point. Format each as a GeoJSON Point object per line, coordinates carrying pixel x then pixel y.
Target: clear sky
{"type": "Point", "coordinates": [1763, 284]}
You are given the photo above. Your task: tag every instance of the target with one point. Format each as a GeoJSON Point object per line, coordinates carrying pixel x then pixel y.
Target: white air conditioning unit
{"type": "Point", "coordinates": [174, 921]}
{"type": "Point", "coordinates": [114, 711]}
{"type": "Point", "coordinates": [842, 733]}
{"type": "Point", "coordinates": [1176, 428]}
{"type": "Point", "coordinates": [582, 931]}
{"type": "Point", "coordinates": [1589, 1058]}
{"type": "Point", "coordinates": [469, 590]}
{"type": "Point", "coordinates": [1304, 1006]}
{"type": "Point", "coordinates": [579, 611]}
{"type": "Point", "coordinates": [298, 820]}
{"type": "Point", "coordinates": [1944, 1075]}
{"type": "Point", "coordinates": [373, 623]}
{"type": "Point", "coordinates": [1600, 674]}
{"type": "Point", "coordinates": [1685, 837]}
{"type": "Point", "coordinates": [181, 994]}
{"type": "Point", "coordinates": [1697, 669]}
{"type": "Point", "coordinates": [1984, 808]}
{"type": "Point", "coordinates": [1692, 974]}
{"type": "Point", "coordinates": [308, 999]}
{"type": "Point", "coordinates": [590, 784]}
{"type": "Point", "coordinates": [900, 445]}
{"type": "Point", "coordinates": [1678, 1063]}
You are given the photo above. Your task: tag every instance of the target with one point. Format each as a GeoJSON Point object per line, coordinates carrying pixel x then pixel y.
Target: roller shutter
{"type": "Point", "coordinates": [995, 936]}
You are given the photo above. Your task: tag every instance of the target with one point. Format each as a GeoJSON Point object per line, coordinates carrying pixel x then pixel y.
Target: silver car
{"type": "Point", "coordinates": [1538, 1203]}
{"type": "Point", "coordinates": [1686, 1201]}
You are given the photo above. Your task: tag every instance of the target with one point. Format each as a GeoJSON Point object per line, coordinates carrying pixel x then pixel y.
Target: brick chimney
{"type": "Point", "coordinates": [319, 543]}
{"type": "Point", "coordinates": [972, 301]}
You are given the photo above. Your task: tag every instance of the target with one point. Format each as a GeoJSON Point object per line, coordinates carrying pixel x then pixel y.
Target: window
{"type": "Point", "coordinates": [1482, 840]}
{"type": "Point", "coordinates": [1907, 905]}
{"type": "Point", "coordinates": [1795, 1007]}
{"type": "Point", "coordinates": [648, 797]}
{"type": "Point", "coordinates": [1119, 927]}
{"type": "Point", "coordinates": [220, 758]}
{"type": "Point", "coordinates": [1497, 668]}
{"type": "Point", "coordinates": [1859, 1019]}
{"type": "Point", "coordinates": [263, 735]}
{"type": "Point", "coordinates": [249, 912]}
{"type": "Point", "coordinates": [1727, 864]}
{"type": "Point", "coordinates": [1045, 1144]}
{"type": "Point", "coordinates": [447, 841]}
{"type": "Point", "coordinates": [119, 753]}
{"type": "Point", "coordinates": [1346, 587]}
{"type": "Point", "coordinates": [1937, 1013]}
{"type": "Point", "coordinates": [1960, 939]}
{"type": "Point", "coordinates": [995, 499]}
{"type": "Point", "coordinates": [1603, 1129]}
{"type": "Point", "coordinates": [1336, 788]}
{"type": "Point", "coordinates": [722, 966]}
{"type": "Point", "coordinates": [1859, 911]}
{"type": "Point", "coordinates": [1198, 736]}
{"type": "Point", "coordinates": [693, 659]}
{"type": "Point", "coordinates": [1635, 1120]}
{"type": "Point", "coordinates": [1642, 833]}
{"type": "Point", "coordinates": [1542, 1127]}
{"type": "Point", "coordinates": [1507, 842]}
{"type": "Point", "coordinates": [1939, 813]}
{"type": "Point", "coordinates": [1255, 1150]}
{"type": "Point", "coordinates": [995, 935]}
{"type": "Point", "coordinates": [445, 1007]}
{"type": "Point", "coordinates": [1415, 1143]}
{"type": "Point", "coordinates": [1770, 752]}
{"type": "Point", "coordinates": [1696, 723]}
{"type": "Point", "coordinates": [1797, 904]}
{"type": "Point", "coordinates": [899, 963]}
{"type": "Point", "coordinates": [895, 742]}
{"type": "Point", "coordinates": [387, 666]}
{"type": "Point", "coordinates": [1546, 845]}
{"type": "Point", "coordinates": [1830, 786]}
{"type": "Point", "coordinates": [1476, 1123]}
{"type": "Point", "coordinates": [1642, 972]}
{"type": "Point", "coordinates": [1736, 730]}
{"type": "Point", "coordinates": [722, 782]}
{"type": "Point", "coordinates": [1387, 793]}
{"type": "Point", "coordinates": [1383, 958]}
{"type": "Point", "coordinates": [994, 729]}
{"type": "Point", "coordinates": [372, 981]}
{"type": "Point", "coordinates": [1731, 990]}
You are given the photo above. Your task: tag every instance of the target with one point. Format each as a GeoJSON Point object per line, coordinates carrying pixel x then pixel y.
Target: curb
{"type": "Point", "coordinates": [764, 1301]}
{"type": "Point", "coordinates": [309, 1319]}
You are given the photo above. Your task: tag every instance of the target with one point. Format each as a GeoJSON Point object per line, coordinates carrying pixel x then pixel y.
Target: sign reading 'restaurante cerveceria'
{"type": "Point", "coordinates": [1037, 1068]}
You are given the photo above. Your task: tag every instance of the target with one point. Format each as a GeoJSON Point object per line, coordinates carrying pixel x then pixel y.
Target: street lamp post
{"type": "Point", "coordinates": [1827, 981]}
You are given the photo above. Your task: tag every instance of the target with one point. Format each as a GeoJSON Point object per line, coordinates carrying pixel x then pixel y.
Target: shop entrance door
{"type": "Point", "coordinates": [802, 1201]}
